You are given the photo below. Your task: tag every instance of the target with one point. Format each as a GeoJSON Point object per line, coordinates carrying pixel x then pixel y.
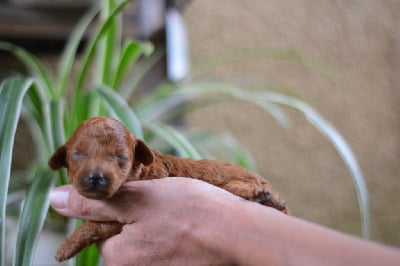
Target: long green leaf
{"type": "Point", "coordinates": [168, 99]}
{"type": "Point", "coordinates": [32, 217]}
{"type": "Point", "coordinates": [87, 61]}
{"type": "Point", "coordinates": [44, 82]}
{"type": "Point", "coordinates": [40, 140]}
{"type": "Point", "coordinates": [94, 107]}
{"type": "Point", "coordinates": [109, 46]}
{"type": "Point", "coordinates": [43, 75]}
{"type": "Point", "coordinates": [89, 256]}
{"type": "Point", "coordinates": [158, 103]}
{"type": "Point", "coordinates": [290, 55]}
{"type": "Point", "coordinates": [131, 52]}
{"type": "Point", "coordinates": [70, 50]}
{"type": "Point", "coordinates": [118, 108]}
{"type": "Point", "coordinates": [341, 146]}
{"type": "Point", "coordinates": [57, 122]}
{"type": "Point", "coordinates": [44, 119]}
{"type": "Point", "coordinates": [177, 140]}
{"type": "Point", "coordinates": [223, 146]}
{"type": "Point", "coordinates": [37, 108]}
{"type": "Point", "coordinates": [12, 92]}
{"type": "Point", "coordinates": [131, 84]}
{"type": "Point", "coordinates": [334, 137]}
{"type": "Point", "coordinates": [91, 49]}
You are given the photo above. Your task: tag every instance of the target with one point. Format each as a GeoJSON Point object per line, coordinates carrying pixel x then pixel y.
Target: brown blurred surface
{"type": "Point", "coordinates": [360, 41]}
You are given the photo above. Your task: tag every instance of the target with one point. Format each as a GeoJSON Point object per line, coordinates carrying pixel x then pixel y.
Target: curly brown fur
{"type": "Point", "coordinates": [102, 155]}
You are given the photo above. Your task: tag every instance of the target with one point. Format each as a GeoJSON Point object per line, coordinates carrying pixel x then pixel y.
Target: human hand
{"type": "Point", "coordinates": [182, 221]}
{"type": "Point", "coordinates": [169, 221]}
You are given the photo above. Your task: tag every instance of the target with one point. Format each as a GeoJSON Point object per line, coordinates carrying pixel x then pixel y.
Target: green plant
{"type": "Point", "coordinates": [53, 105]}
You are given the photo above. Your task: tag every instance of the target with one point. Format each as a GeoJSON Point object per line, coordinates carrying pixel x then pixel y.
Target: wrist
{"type": "Point", "coordinates": [240, 232]}
{"type": "Point", "coordinates": [255, 241]}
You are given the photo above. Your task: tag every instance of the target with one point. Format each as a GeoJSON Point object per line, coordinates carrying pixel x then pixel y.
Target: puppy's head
{"type": "Point", "coordinates": [100, 156]}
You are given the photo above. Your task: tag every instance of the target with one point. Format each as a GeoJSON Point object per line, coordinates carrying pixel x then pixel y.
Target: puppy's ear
{"type": "Point", "coordinates": [59, 158]}
{"type": "Point", "coordinates": [143, 153]}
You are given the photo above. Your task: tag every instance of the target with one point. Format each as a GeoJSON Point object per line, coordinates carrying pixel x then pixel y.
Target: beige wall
{"type": "Point", "coordinates": [360, 41]}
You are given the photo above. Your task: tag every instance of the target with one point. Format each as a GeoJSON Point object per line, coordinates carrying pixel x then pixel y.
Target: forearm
{"type": "Point", "coordinates": [262, 236]}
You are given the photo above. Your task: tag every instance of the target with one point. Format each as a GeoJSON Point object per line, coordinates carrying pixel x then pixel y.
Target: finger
{"type": "Point", "coordinates": [68, 202]}
{"type": "Point", "coordinates": [133, 200]}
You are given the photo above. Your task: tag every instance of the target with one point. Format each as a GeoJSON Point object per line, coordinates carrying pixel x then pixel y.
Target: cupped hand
{"type": "Point", "coordinates": [169, 221]}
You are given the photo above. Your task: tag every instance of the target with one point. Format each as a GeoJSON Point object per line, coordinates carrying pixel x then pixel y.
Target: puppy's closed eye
{"type": "Point", "coordinates": [121, 160]}
{"type": "Point", "coordinates": [78, 155]}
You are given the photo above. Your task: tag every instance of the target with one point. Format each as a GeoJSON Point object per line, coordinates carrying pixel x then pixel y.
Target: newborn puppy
{"type": "Point", "coordinates": [102, 154]}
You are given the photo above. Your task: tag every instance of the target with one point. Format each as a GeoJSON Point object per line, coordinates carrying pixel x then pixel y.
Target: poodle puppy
{"type": "Point", "coordinates": [102, 154]}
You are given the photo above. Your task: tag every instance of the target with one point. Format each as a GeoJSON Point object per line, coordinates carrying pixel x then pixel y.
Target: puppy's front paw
{"type": "Point", "coordinates": [85, 235]}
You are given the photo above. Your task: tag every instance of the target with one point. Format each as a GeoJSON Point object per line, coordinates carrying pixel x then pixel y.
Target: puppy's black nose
{"type": "Point", "coordinates": [96, 180]}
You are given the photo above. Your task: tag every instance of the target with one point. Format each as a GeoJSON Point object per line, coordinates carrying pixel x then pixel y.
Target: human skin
{"type": "Point", "coordinates": [182, 221]}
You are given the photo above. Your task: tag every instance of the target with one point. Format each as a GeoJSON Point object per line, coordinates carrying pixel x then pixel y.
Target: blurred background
{"type": "Point", "coordinates": [350, 75]}
{"type": "Point", "coordinates": [360, 42]}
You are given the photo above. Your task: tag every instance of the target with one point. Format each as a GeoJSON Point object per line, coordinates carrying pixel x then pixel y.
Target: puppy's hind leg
{"type": "Point", "coordinates": [260, 192]}
{"type": "Point", "coordinates": [87, 234]}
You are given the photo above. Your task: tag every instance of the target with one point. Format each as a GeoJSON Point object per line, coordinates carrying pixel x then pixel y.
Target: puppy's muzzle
{"type": "Point", "coordinates": [95, 185]}
{"type": "Point", "coordinates": [96, 180]}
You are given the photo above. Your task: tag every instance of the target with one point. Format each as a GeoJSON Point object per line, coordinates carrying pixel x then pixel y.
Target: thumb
{"type": "Point", "coordinates": [68, 202]}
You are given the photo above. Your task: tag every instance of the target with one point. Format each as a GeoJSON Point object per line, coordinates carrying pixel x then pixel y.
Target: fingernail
{"type": "Point", "coordinates": [59, 197]}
